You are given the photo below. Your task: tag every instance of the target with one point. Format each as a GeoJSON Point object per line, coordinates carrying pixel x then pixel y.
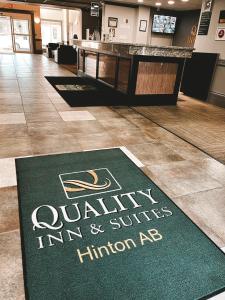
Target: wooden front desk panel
{"type": "Point", "coordinates": [156, 78]}
{"type": "Point", "coordinates": [107, 68]}
{"type": "Point", "coordinates": [90, 63]}
{"type": "Point", "coordinates": [123, 74]}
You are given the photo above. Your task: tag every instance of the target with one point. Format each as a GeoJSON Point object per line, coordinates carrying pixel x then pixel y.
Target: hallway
{"type": "Point", "coordinates": [35, 120]}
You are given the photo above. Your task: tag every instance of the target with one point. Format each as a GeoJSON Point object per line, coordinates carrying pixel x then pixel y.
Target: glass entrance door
{"type": "Point", "coordinates": [6, 44]}
{"type": "Point", "coordinates": [21, 35]}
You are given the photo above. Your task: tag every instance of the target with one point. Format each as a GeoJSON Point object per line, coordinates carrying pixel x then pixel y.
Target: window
{"type": "Point", "coordinates": [51, 32]}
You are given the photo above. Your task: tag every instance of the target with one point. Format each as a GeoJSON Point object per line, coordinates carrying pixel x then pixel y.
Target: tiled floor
{"type": "Point", "coordinates": [35, 120]}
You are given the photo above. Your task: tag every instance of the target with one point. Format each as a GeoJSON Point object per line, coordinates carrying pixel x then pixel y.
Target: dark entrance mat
{"type": "Point", "coordinates": [93, 227]}
{"type": "Point", "coordinates": [83, 91]}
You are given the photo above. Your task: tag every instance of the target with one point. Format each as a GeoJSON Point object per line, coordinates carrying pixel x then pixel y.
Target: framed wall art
{"type": "Point", "coordinates": [112, 22]}
{"type": "Point", "coordinates": [143, 25]}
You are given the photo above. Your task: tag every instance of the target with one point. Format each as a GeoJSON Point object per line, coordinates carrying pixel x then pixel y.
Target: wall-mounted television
{"type": "Point", "coordinates": [164, 24]}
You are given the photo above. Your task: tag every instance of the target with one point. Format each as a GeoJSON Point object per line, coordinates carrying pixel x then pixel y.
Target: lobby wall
{"type": "Point", "coordinates": [129, 21]}
{"type": "Point", "coordinates": [125, 31]}
{"type": "Point", "coordinates": [142, 13]}
{"type": "Point", "coordinates": [207, 43]}
{"type": "Point", "coordinates": [129, 18]}
{"type": "Point", "coordinates": [187, 25]}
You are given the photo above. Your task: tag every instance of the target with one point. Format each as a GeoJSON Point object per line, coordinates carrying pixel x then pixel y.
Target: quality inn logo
{"type": "Point", "coordinates": [88, 183]}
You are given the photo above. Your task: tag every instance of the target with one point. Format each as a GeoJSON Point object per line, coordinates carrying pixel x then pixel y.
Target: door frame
{"type": "Point", "coordinates": [31, 13]}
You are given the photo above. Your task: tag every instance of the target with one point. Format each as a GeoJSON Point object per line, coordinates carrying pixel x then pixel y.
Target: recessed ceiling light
{"type": "Point", "coordinates": [158, 3]}
{"type": "Point", "coordinates": [184, 0]}
{"type": "Point", "coordinates": [171, 2]}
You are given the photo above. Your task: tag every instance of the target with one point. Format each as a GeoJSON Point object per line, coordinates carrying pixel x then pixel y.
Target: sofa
{"type": "Point", "coordinates": [51, 47]}
{"type": "Point", "coordinates": [65, 54]}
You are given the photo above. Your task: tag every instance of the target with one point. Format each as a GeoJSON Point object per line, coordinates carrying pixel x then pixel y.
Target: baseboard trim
{"type": "Point", "coordinates": [216, 99]}
{"type": "Point", "coordinates": [38, 52]}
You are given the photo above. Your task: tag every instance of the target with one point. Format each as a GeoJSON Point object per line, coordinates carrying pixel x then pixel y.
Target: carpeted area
{"type": "Point", "coordinates": [93, 226]}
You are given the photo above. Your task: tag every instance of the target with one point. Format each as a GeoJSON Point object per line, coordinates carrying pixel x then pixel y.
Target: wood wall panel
{"type": "Point", "coordinates": [90, 63]}
{"type": "Point", "coordinates": [156, 78]}
{"type": "Point", "coordinates": [123, 75]}
{"type": "Point", "coordinates": [107, 68]}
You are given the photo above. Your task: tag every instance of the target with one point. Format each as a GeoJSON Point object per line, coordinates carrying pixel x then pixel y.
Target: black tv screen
{"type": "Point", "coordinates": [164, 24]}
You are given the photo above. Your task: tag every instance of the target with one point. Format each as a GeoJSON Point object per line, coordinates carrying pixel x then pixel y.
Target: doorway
{"type": "Point", "coordinates": [21, 35]}
{"type": "Point", "coordinates": [15, 35]}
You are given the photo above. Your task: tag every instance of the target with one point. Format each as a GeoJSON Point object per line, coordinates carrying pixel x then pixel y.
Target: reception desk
{"type": "Point", "coordinates": [144, 75]}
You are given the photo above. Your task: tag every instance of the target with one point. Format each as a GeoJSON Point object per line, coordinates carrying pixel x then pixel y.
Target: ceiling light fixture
{"type": "Point", "coordinates": [171, 2]}
{"type": "Point", "coordinates": [184, 0]}
{"type": "Point", "coordinates": [158, 3]}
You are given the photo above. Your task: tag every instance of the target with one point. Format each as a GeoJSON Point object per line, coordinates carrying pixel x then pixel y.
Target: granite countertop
{"type": "Point", "coordinates": [126, 49]}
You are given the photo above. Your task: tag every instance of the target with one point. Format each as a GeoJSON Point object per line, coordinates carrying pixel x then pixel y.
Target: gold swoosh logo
{"type": "Point", "coordinates": [82, 185]}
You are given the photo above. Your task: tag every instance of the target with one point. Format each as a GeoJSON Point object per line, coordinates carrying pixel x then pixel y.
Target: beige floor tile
{"type": "Point", "coordinates": [7, 172]}
{"type": "Point", "coordinates": [13, 130]}
{"type": "Point", "coordinates": [13, 147]}
{"type": "Point", "coordinates": [105, 115]}
{"type": "Point", "coordinates": [185, 149]}
{"type": "Point", "coordinates": [51, 116]}
{"type": "Point", "coordinates": [9, 96]}
{"type": "Point", "coordinates": [64, 106]}
{"type": "Point", "coordinates": [57, 100]}
{"type": "Point", "coordinates": [84, 127]}
{"type": "Point", "coordinates": [8, 84]}
{"type": "Point", "coordinates": [214, 168]}
{"type": "Point", "coordinates": [131, 136]}
{"type": "Point", "coordinates": [155, 153]}
{"type": "Point", "coordinates": [9, 90]}
{"type": "Point", "coordinates": [141, 122]}
{"type": "Point", "coordinates": [10, 108]}
{"type": "Point", "coordinates": [38, 107]}
{"type": "Point", "coordinates": [12, 118]}
{"type": "Point", "coordinates": [207, 210]}
{"type": "Point", "coordinates": [184, 177]}
{"type": "Point", "coordinates": [36, 100]}
{"type": "Point", "coordinates": [159, 183]}
{"type": "Point", "coordinates": [9, 215]}
{"type": "Point", "coordinates": [47, 128]}
{"type": "Point", "coordinates": [161, 135]}
{"type": "Point", "coordinates": [98, 141]}
{"type": "Point", "coordinates": [69, 116]}
{"type": "Point", "coordinates": [11, 275]}
{"type": "Point", "coordinates": [117, 123]}
{"type": "Point", "coordinates": [55, 144]}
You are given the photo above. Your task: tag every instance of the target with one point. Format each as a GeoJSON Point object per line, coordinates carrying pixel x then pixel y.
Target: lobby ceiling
{"type": "Point", "coordinates": [58, 3]}
{"type": "Point", "coordinates": [178, 5]}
